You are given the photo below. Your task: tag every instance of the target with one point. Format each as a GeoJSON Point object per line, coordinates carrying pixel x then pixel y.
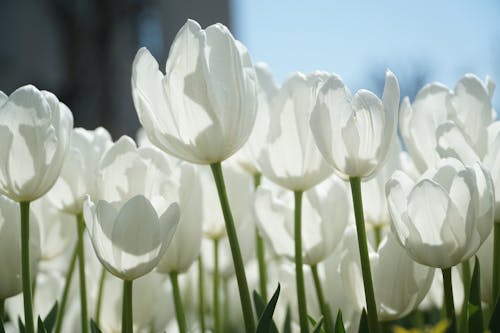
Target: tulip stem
{"type": "Point", "coordinates": [377, 231]}
{"type": "Point", "coordinates": [67, 284]}
{"type": "Point", "coordinates": [299, 269]}
{"type": "Point", "coordinates": [2, 310]}
{"type": "Point", "coordinates": [102, 278]}
{"type": "Point", "coordinates": [385, 326]}
{"type": "Point", "coordinates": [321, 300]}
{"type": "Point", "coordinates": [201, 294]}
{"type": "Point", "coordinates": [217, 319]}
{"type": "Point", "coordinates": [127, 312]}
{"type": "Point", "coordinates": [363, 254]}
{"type": "Point", "coordinates": [25, 269]}
{"type": "Point", "coordinates": [496, 261]}
{"type": "Point", "coordinates": [225, 292]}
{"type": "Point", "coordinates": [246, 304]}
{"type": "Point", "coordinates": [81, 269]}
{"type": "Point", "coordinates": [179, 308]}
{"type": "Point", "coordinates": [466, 279]}
{"type": "Point", "coordinates": [448, 299]}
{"type": "Point", "coordinates": [261, 254]}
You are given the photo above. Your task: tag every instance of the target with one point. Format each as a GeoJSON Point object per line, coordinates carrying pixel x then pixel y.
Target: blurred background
{"type": "Point", "coordinates": [82, 50]}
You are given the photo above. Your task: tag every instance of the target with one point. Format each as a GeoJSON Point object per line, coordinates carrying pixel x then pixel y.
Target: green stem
{"type": "Point", "coordinates": [67, 284]}
{"type": "Point", "coordinates": [385, 326]}
{"type": "Point", "coordinates": [225, 291]}
{"type": "Point", "coordinates": [321, 300]}
{"type": "Point", "coordinates": [256, 180]}
{"type": "Point", "coordinates": [418, 319]}
{"type": "Point", "coordinates": [98, 306]}
{"type": "Point", "coordinates": [25, 269]}
{"type": "Point", "coordinates": [127, 312]}
{"type": "Point", "coordinates": [217, 319]}
{"type": "Point", "coordinates": [81, 269]}
{"type": "Point", "coordinates": [239, 268]}
{"type": "Point", "coordinates": [363, 254]}
{"type": "Point", "coordinates": [261, 254]}
{"type": "Point", "coordinates": [2, 310]}
{"type": "Point", "coordinates": [448, 299]}
{"type": "Point", "coordinates": [179, 308]}
{"type": "Point", "coordinates": [299, 269]}
{"type": "Point", "coordinates": [201, 294]}
{"type": "Point", "coordinates": [377, 230]}
{"type": "Point", "coordinates": [463, 321]}
{"type": "Point", "coordinates": [496, 261]}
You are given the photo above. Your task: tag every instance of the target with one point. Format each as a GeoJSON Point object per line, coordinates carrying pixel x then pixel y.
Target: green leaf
{"type": "Point", "coordinates": [93, 327]}
{"type": "Point", "coordinates": [21, 325]}
{"type": "Point", "coordinates": [259, 303]}
{"type": "Point", "coordinates": [287, 324]}
{"type": "Point", "coordinates": [266, 323]}
{"type": "Point", "coordinates": [474, 306]}
{"type": "Point", "coordinates": [41, 327]}
{"type": "Point", "coordinates": [50, 321]}
{"type": "Point", "coordinates": [494, 325]}
{"type": "Point", "coordinates": [363, 323]}
{"type": "Point", "coordinates": [314, 323]}
{"type": "Point", "coordinates": [318, 328]}
{"type": "Point", "coordinates": [2, 330]}
{"type": "Point", "coordinates": [339, 323]}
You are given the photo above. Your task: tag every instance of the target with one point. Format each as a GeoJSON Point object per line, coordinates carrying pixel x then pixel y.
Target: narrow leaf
{"type": "Point", "coordinates": [494, 325]}
{"type": "Point", "coordinates": [363, 323]}
{"type": "Point", "coordinates": [50, 321]}
{"type": "Point", "coordinates": [339, 323]}
{"type": "Point", "coordinates": [474, 306]}
{"type": "Point", "coordinates": [259, 303]}
{"type": "Point", "coordinates": [287, 324]}
{"type": "Point", "coordinates": [41, 327]}
{"type": "Point", "coordinates": [314, 323]}
{"type": "Point", "coordinates": [266, 323]}
{"type": "Point", "coordinates": [21, 325]}
{"type": "Point", "coordinates": [2, 330]}
{"type": "Point", "coordinates": [318, 327]}
{"type": "Point", "coordinates": [93, 327]}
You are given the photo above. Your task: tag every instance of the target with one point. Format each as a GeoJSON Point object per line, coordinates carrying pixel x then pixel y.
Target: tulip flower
{"type": "Point", "coordinates": [126, 171]}
{"type": "Point", "coordinates": [78, 175]}
{"type": "Point", "coordinates": [203, 109]}
{"type": "Point", "coordinates": [443, 218]}
{"type": "Point", "coordinates": [354, 134]}
{"type": "Point", "coordinates": [35, 132]}
{"type": "Point", "coordinates": [290, 158]}
{"type": "Point", "coordinates": [35, 129]}
{"type": "Point", "coordinates": [468, 107]}
{"type": "Point", "coordinates": [129, 239]}
{"type": "Point", "coordinates": [400, 283]}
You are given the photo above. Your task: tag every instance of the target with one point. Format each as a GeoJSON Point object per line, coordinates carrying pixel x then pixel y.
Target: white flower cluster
{"type": "Point", "coordinates": [289, 154]}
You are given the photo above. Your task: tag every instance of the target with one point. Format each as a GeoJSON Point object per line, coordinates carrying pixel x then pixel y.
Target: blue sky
{"type": "Point", "coordinates": [443, 39]}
